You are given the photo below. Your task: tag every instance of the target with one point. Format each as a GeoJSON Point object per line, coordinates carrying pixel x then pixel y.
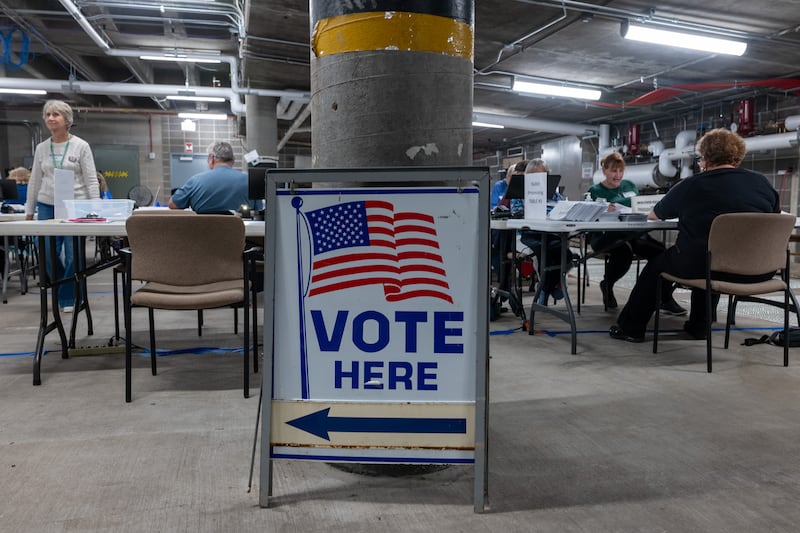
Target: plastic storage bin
{"type": "Point", "coordinates": [108, 209]}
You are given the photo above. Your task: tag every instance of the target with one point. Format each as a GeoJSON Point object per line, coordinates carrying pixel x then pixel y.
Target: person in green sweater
{"type": "Point", "coordinates": [622, 247]}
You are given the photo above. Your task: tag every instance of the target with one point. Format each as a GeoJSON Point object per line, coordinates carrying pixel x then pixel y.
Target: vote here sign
{"type": "Point", "coordinates": [375, 324]}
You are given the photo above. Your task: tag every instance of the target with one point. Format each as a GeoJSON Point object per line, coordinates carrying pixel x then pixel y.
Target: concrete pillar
{"type": "Point", "coordinates": [262, 124]}
{"type": "Point", "coordinates": [391, 83]}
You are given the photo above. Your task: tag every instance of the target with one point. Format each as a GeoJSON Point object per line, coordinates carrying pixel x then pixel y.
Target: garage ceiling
{"type": "Point", "coordinates": [566, 42]}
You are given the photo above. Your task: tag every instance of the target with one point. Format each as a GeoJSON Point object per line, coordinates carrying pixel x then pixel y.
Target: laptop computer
{"type": "Point", "coordinates": [516, 187]}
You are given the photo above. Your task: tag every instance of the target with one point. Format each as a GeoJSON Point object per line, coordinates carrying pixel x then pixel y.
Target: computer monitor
{"type": "Point", "coordinates": [257, 183]}
{"type": "Point", "coordinates": [516, 187]}
{"type": "Point", "coordinates": [8, 189]}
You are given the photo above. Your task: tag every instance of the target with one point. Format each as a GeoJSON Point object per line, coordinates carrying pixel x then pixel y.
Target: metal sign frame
{"type": "Point", "coordinates": [385, 181]}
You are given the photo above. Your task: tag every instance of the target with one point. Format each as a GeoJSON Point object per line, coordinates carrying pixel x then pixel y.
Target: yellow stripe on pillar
{"type": "Point", "coordinates": [392, 30]}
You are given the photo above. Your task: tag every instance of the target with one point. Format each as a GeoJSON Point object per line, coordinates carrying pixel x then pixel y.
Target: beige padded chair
{"type": "Point", "coordinates": [119, 273]}
{"type": "Point", "coordinates": [747, 244]}
{"type": "Point", "coordinates": [186, 263]}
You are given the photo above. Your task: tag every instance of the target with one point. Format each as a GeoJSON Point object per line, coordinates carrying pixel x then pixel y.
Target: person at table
{"type": "Point", "coordinates": [220, 189]}
{"type": "Point", "coordinates": [721, 187]}
{"type": "Point", "coordinates": [504, 240]}
{"type": "Point", "coordinates": [550, 277]}
{"type": "Point", "coordinates": [22, 176]}
{"type": "Point", "coordinates": [621, 247]}
{"type": "Point", "coordinates": [501, 186]}
{"type": "Point", "coordinates": [101, 181]}
{"type": "Point", "coordinates": [68, 152]}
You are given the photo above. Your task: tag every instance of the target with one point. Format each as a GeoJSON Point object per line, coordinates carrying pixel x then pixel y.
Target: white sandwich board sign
{"type": "Point", "coordinates": [375, 319]}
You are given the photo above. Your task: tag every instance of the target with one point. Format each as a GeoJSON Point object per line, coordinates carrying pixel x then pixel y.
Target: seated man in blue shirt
{"type": "Point", "coordinates": [217, 190]}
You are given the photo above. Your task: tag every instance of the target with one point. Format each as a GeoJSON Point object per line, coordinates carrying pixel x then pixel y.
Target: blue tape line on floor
{"type": "Point", "coordinates": [549, 333]}
{"type": "Point", "coordinates": [17, 354]}
{"type": "Point", "coordinates": [197, 350]}
{"type": "Point", "coordinates": [555, 333]}
{"type": "Point", "coordinates": [143, 351]}
{"type": "Point", "coordinates": [503, 331]}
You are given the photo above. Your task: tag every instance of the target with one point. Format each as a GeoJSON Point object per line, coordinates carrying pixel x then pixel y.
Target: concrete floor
{"type": "Point", "coordinates": [613, 438]}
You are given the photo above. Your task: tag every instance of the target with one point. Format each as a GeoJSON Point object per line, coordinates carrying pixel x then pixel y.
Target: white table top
{"type": "Point", "coordinates": [10, 217]}
{"type": "Point", "coordinates": [58, 228]}
{"type": "Point", "coordinates": [570, 226]}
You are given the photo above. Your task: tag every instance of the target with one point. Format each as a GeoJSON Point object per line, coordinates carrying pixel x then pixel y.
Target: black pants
{"type": "Point", "coordinates": [550, 274]}
{"type": "Point", "coordinates": [621, 248]}
{"type": "Point", "coordinates": [636, 314]}
{"type": "Point", "coordinates": [503, 243]}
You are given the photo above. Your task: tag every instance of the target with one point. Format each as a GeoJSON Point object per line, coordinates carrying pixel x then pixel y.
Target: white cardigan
{"type": "Point", "coordinates": [78, 159]}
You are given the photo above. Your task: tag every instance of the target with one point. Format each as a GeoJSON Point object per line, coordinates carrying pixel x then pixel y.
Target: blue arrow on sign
{"type": "Point", "coordinates": [320, 423]}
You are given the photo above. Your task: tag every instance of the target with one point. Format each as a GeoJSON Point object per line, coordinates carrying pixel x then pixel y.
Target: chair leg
{"type": "Point", "coordinates": [236, 320]}
{"type": "Point", "coordinates": [254, 328]}
{"type": "Point", "coordinates": [657, 314]}
{"type": "Point", "coordinates": [729, 320]}
{"type": "Point", "coordinates": [246, 354]}
{"type": "Point", "coordinates": [152, 340]}
{"type": "Point", "coordinates": [605, 279]}
{"type": "Point", "coordinates": [116, 303]}
{"type": "Point", "coordinates": [126, 310]}
{"type": "Point", "coordinates": [709, 300]}
{"type": "Point", "coordinates": [786, 325]}
{"type": "Point", "coordinates": [786, 294]}
{"type": "Point", "coordinates": [199, 322]}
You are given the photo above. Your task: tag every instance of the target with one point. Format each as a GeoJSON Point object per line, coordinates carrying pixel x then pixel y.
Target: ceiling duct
{"type": "Point", "coordinates": [533, 124]}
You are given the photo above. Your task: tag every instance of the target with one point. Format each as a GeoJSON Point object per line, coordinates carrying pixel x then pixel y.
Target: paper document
{"type": "Point", "coordinates": [64, 189]}
{"type": "Point", "coordinates": [577, 211]}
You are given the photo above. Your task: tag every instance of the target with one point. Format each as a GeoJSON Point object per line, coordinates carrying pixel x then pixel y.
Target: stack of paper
{"type": "Point", "coordinates": [578, 211]}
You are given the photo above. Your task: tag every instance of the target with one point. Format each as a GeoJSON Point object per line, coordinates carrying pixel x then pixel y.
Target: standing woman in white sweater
{"type": "Point", "coordinates": [70, 153]}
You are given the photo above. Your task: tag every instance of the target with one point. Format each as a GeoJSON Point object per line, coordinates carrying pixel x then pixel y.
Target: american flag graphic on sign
{"type": "Point", "coordinates": [367, 243]}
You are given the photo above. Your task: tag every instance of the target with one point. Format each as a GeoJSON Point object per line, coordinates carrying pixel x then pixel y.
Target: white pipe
{"type": "Point", "coordinates": [656, 147]}
{"type": "Point", "coordinates": [771, 142]}
{"type": "Point", "coordinates": [73, 10]}
{"type": "Point", "coordinates": [139, 89]}
{"type": "Point", "coordinates": [535, 124]}
{"type": "Point", "coordinates": [665, 166]}
{"type": "Point", "coordinates": [792, 122]}
{"type": "Point", "coordinates": [605, 136]}
{"type": "Point", "coordinates": [685, 138]}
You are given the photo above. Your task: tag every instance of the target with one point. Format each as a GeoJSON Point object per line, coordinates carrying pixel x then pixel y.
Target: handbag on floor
{"type": "Point", "coordinates": [777, 338]}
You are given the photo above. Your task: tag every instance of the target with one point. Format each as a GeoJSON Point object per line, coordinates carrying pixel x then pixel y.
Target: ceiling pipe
{"type": "Point", "coordinates": [535, 124]}
{"type": "Point", "coordinates": [73, 10]}
{"type": "Point", "coordinates": [147, 90]}
{"type": "Point", "coordinates": [233, 93]}
{"type": "Point", "coordinates": [237, 107]}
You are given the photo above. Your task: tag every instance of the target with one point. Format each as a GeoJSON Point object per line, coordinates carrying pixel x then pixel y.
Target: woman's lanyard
{"type": "Point", "coordinates": [53, 155]}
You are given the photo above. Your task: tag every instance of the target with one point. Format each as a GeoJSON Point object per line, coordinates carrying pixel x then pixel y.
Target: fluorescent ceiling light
{"type": "Point", "coordinates": [188, 98]}
{"type": "Point", "coordinates": [555, 90]}
{"type": "Point", "coordinates": [208, 116]}
{"type": "Point", "coordinates": [487, 125]}
{"type": "Point", "coordinates": [23, 91]}
{"type": "Point", "coordinates": [182, 58]}
{"type": "Point", "coordinates": [682, 40]}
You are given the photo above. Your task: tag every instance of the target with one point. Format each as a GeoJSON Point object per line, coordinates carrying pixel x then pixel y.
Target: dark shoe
{"type": "Point", "coordinates": [608, 295]}
{"type": "Point", "coordinates": [694, 331]}
{"type": "Point", "coordinates": [616, 333]}
{"type": "Point", "coordinates": [557, 293]}
{"type": "Point", "coordinates": [671, 307]}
